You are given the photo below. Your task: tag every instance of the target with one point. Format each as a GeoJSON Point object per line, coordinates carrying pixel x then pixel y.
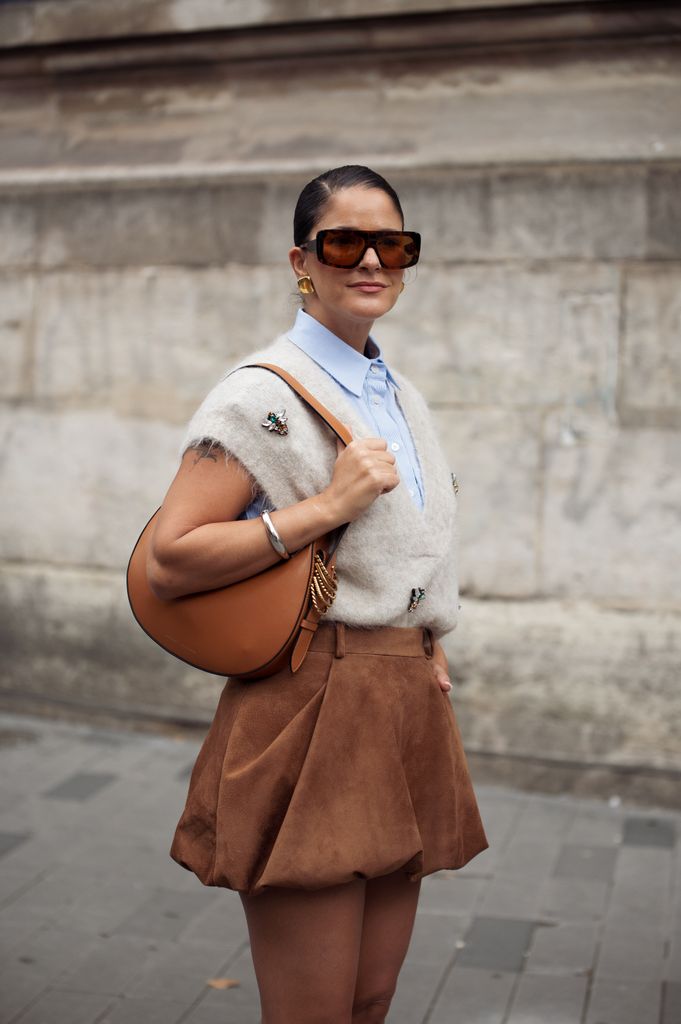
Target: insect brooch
{"type": "Point", "coordinates": [417, 595]}
{"type": "Point", "coordinates": [276, 421]}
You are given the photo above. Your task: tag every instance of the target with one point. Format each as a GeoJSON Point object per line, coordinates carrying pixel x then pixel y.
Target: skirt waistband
{"type": "Point", "coordinates": [339, 639]}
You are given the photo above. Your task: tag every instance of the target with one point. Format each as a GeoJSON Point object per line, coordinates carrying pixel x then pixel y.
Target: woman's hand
{"type": "Point", "coordinates": [363, 471]}
{"type": "Point", "coordinates": [440, 667]}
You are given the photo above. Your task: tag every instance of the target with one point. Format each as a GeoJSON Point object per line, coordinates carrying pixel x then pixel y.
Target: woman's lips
{"type": "Point", "coordinates": [368, 286]}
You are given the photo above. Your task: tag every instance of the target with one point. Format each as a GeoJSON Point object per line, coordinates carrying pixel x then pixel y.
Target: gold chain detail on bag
{"type": "Point", "coordinates": [323, 585]}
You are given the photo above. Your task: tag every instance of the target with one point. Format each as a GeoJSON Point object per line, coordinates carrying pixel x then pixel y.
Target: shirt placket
{"type": "Point", "coordinates": [387, 428]}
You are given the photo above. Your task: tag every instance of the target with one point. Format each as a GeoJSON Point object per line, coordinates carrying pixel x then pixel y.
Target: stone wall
{"type": "Point", "coordinates": [145, 204]}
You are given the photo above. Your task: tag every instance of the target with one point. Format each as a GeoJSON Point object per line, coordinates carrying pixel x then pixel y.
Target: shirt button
{"type": "Point", "coordinates": [411, 492]}
{"type": "Point", "coordinates": [395, 446]}
{"type": "Point", "coordinates": [374, 369]}
{"type": "Point", "coordinates": [376, 400]}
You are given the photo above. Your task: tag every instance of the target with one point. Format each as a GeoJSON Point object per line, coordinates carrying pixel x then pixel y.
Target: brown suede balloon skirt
{"type": "Point", "coordinates": [352, 767]}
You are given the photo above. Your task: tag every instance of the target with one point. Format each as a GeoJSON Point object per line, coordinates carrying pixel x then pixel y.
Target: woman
{"type": "Point", "coordinates": [324, 796]}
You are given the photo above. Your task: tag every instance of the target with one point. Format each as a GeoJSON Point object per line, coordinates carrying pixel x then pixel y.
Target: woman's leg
{"type": "Point", "coordinates": [389, 909]}
{"type": "Point", "coordinates": [305, 946]}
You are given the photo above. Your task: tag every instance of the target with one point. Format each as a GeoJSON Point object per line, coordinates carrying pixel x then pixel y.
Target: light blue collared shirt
{"type": "Point", "coordinates": [369, 386]}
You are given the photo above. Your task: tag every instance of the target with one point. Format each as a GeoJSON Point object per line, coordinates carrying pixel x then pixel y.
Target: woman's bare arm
{"type": "Point", "coordinates": [198, 545]}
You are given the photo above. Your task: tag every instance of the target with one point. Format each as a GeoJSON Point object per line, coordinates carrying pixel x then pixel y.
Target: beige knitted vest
{"type": "Point", "coordinates": [393, 546]}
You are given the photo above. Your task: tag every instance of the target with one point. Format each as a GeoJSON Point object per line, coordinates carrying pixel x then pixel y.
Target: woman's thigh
{"type": "Point", "coordinates": [305, 946]}
{"type": "Point", "coordinates": [390, 903]}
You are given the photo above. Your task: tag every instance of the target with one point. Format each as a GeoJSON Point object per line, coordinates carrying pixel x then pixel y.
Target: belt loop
{"type": "Point", "coordinates": [340, 639]}
{"type": "Point", "coordinates": [428, 641]}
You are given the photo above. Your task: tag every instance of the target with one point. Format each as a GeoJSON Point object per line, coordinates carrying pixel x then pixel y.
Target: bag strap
{"type": "Point", "coordinates": [339, 429]}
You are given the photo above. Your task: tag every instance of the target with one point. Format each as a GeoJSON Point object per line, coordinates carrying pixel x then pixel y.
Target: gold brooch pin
{"type": "Point", "coordinates": [417, 595]}
{"type": "Point", "coordinates": [276, 421]}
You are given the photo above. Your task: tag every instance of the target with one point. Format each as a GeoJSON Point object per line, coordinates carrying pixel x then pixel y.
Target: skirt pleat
{"type": "Point", "coordinates": [352, 767]}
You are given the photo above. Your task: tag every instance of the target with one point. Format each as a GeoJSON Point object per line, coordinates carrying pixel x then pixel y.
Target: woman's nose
{"type": "Point", "coordinates": [370, 259]}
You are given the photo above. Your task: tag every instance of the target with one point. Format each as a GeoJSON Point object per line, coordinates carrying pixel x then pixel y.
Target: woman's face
{"type": "Point", "coordinates": [348, 301]}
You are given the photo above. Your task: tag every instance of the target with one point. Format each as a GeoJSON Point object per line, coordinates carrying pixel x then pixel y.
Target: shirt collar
{"type": "Point", "coordinates": [345, 364]}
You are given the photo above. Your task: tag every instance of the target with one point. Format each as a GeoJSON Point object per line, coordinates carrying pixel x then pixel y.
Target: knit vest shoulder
{"type": "Point", "coordinates": [393, 547]}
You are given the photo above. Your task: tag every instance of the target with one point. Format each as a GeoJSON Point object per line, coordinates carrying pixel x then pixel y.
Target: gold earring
{"type": "Point", "coordinates": [305, 285]}
{"type": "Point", "coordinates": [401, 287]}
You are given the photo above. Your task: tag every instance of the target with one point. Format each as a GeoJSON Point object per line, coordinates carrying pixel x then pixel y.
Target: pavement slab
{"type": "Point", "coordinates": [573, 916]}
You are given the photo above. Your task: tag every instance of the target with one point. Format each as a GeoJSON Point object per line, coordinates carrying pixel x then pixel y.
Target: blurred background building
{"type": "Point", "coordinates": [150, 155]}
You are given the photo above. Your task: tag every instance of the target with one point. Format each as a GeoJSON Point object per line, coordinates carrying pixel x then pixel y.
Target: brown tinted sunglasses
{"type": "Point", "coordinates": [345, 247]}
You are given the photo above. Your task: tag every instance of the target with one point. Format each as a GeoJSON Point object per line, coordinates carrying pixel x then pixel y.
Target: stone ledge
{"type": "Point", "coordinates": [589, 684]}
{"type": "Point", "coordinates": [203, 31]}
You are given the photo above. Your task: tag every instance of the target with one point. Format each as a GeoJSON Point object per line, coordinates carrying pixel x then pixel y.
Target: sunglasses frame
{"type": "Point", "coordinates": [371, 241]}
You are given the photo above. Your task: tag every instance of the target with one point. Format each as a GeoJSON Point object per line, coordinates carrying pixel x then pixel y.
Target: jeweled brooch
{"type": "Point", "coordinates": [455, 483]}
{"type": "Point", "coordinates": [276, 421]}
{"type": "Point", "coordinates": [417, 595]}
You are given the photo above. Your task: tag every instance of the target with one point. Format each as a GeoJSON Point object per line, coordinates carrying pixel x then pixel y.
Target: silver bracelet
{"type": "Point", "coordinates": [275, 540]}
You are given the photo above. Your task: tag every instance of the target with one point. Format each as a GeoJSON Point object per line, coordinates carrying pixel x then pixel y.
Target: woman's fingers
{"type": "Point", "coordinates": [442, 678]}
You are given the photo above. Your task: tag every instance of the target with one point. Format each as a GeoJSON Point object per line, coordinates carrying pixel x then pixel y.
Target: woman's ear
{"type": "Point", "coordinates": [296, 258]}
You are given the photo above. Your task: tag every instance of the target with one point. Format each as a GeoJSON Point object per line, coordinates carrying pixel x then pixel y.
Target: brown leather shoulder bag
{"type": "Point", "coordinates": [249, 629]}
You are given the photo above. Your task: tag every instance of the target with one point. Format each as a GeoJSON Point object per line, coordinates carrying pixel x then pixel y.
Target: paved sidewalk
{"type": "Point", "coordinates": [572, 917]}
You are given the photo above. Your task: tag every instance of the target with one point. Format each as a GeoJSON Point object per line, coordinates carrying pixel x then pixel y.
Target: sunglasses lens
{"type": "Point", "coordinates": [342, 248]}
{"type": "Point", "coordinates": [397, 251]}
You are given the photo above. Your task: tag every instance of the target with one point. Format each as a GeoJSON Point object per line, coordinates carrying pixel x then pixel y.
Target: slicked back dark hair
{"type": "Point", "coordinates": [316, 194]}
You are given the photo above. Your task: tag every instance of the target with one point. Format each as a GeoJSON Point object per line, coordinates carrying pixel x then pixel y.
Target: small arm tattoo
{"type": "Point", "coordinates": [207, 449]}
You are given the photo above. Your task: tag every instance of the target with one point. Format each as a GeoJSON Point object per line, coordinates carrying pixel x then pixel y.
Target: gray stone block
{"type": "Point", "coordinates": [477, 995]}
{"type": "Point", "coordinates": [110, 967]}
{"type": "Point", "coordinates": [641, 831]}
{"type": "Point", "coordinates": [589, 212]}
{"type": "Point", "coordinates": [150, 342]}
{"type": "Point", "coordinates": [164, 914]}
{"type": "Point", "coordinates": [542, 998]}
{"type": "Point", "coordinates": [671, 1011]}
{"type": "Point", "coordinates": [496, 455]}
{"type": "Point", "coordinates": [573, 900]}
{"type": "Point", "coordinates": [497, 944]}
{"type": "Point", "coordinates": [510, 896]}
{"type": "Point", "coordinates": [664, 212]}
{"type": "Point", "coordinates": [594, 862]}
{"type": "Point", "coordinates": [634, 952]}
{"type": "Point", "coordinates": [17, 295]}
{"type": "Point", "coordinates": [18, 221]}
{"type": "Point", "coordinates": [487, 325]}
{"type": "Point", "coordinates": [10, 840]}
{"type": "Point", "coordinates": [609, 515]}
{"type": "Point", "coordinates": [563, 948]}
{"type": "Point", "coordinates": [127, 1010]}
{"type": "Point", "coordinates": [55, 1007]}
{"type": "Point", "coordinates": [446, 893]}
{"type": "Point", "coordinates": [650, 389]}
{"type": "Point", "coordinates": [624, 1001]}
{"type": "Point", "coordinates": [81, 786]}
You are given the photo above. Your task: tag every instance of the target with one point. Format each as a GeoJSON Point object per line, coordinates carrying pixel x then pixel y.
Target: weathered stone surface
{"type": "Point", "coordinates": [531, 677]}
{"type": "Point", "coordinates": [611, 512]}
{"type": "Point", "coordinates": [421, 112]}
{"type": "Point", "coordinates": [83, 484]}
{"type": "Point", "coordinates": [151, 342]}
{"type": "Point", "coordinates": [18, 218]}
{"type": "Point", "coordinates": [41, 21]}
{"type": "Point", "coordinates": [664, 212]}
{"type": "Point", "coordinates": [484, 215]}
{"type": "Point", "coordinates": [567, 679]}
{"type": "Point", "coordinates": [506, 335]}
{"type": "Point", "coordinates": [141, 227]}
{"type": "Point", "coordinates": [145, 217]}
{"type": "Point", "coordinates": [651, 358]}
{"type": "Point", "coordinates": [17, 295]}
{"type": "Point", "coordinates": [68, 634]}
{"type": "Point", "coordinates": [496, 454]}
